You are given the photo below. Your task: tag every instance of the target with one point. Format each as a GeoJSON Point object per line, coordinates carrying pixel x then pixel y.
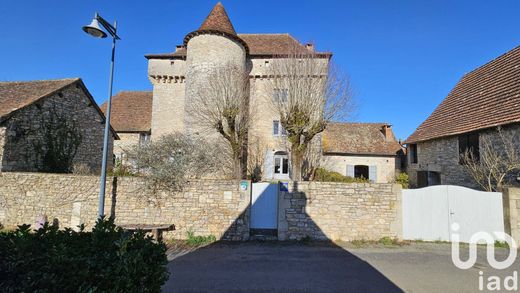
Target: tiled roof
{"type": "Point", "coordinates": [486, 97]}
{"type": "Point", "coordinates": [218, 20]}
{"type": "Point", "coordinates": [15, 95]}
{"type": "Point", "coordinates": [131, 111]}
{"type": "Point", "coordinates": [258, 44]}
{"type": "Point", "coordinates": [359, 139]}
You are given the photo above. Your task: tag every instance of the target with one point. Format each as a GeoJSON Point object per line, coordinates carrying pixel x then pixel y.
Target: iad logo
{"type": "Point", "coordinates": [493, 282]}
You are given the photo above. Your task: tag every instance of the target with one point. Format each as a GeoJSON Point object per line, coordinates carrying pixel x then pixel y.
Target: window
{"type": "Point", "coordinates": [280, 95]}
{"type": "Point", "coordinates": [361, 171]}
{"type": "Point", "coordinates": [266, 62]}
{"type": "Point", "coordinates": [144, 138]}
{"type": "Point", "coordinates": [428, 178]}
{"type": "Point", "coordinates": [469, 143]}
{"type": "Point", "coordinates": [413, 153]}
{"type": "Point", "coordinates": [278, 129]}
{"type": "Point", "coordinates": [281, 164]}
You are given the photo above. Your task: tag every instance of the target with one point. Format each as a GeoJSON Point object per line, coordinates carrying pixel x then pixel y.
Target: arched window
{"type": "Point", "coordinates": [281, 164]}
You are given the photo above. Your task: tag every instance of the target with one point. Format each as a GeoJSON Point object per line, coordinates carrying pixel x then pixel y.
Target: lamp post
{"type": "Point", "coordinates": [95, 30]}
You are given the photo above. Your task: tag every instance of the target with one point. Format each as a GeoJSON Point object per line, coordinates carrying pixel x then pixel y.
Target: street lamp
{"type": "Point", "coordinates": [95, 30]}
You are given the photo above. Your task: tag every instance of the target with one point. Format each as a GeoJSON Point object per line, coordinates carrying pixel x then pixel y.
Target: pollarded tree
{"type": "Point", "coordinates": [308, 92]}
{"type": "Point", "coordinates": [221, 106]}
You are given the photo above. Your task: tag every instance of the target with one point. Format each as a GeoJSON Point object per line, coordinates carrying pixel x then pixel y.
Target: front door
{"type": "Point", "coordinates": [264, 208]}
{"type": "Point", "coordinates": [281, 166]}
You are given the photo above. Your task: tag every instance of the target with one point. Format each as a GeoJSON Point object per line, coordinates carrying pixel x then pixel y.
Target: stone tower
{"type": "Point", "coordinates": [214, 45]}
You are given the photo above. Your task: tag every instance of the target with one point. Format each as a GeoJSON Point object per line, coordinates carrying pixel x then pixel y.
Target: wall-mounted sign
{"type": "Point", "coordinates": [284, 186]}
{"type": "Point", "coordinates": [243, 185]}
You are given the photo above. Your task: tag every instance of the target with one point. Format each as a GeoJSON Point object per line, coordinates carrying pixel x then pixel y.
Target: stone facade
{"type": "Point", "coordinates": [209, 207]}
{"type": "Point", "coordinates": [339, 211]}
{"type": "Point", "coordinates": [126, 141]}
{"type": "Point", "coordinates": [442, 155]}
{"type": "Point", "coordinates": [23, 130]}
{"type": "Point", "coordinates": [386, 166]}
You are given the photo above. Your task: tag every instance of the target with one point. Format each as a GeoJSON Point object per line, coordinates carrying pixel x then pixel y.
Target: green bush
{"type": "Point", "coordinates": [402, 178]}
{"type": "Point", "coordinates": [107, 259]}
{"type": "Point", "coordinates": [325, 175]}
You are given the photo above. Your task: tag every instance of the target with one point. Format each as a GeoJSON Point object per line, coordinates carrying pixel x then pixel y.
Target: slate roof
{"type": "Point", "coordinates": [358, 139]}
{"type": "Point", "coordinates": [488, 96]}
{"type": "Point", "coordinates": [131, 111]}
{"type": "Point", "coordinates": [16, 95]}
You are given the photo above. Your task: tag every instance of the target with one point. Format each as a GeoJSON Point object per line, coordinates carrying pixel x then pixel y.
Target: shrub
{"type": "Point", "coordinates": [325, 175]}
{"type": "Point", "coordinates": [107, 259]}
{"type": "Point", "coordinates": [199, 240]}
{"type": "Point", "coordinates": [402, 178]}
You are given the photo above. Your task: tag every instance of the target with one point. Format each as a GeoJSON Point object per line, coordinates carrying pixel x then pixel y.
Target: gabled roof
{"type": "Point", "coordinates": [260, 45]}
{"type": "Point", "coordinates": [359, 139]}
{"type": "Point", "coordinates": [488, 96]}
{"type": "Point", "coordinates": [131, 111]}
{"type": "Point", "coordinates": [218, 20]}
{"type": "Point", "coordinates": [16, 95]}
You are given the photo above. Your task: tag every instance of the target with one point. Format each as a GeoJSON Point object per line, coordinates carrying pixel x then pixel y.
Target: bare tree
{"type": "Point", "coordinates": [256, 159]}
{"type": "Point", "coordinates": [308, 92]}
{"type": "Point", "coordinates": [497, 163]}
{"type": "Point", "coordinates": [173, 159]}
{"type": "Point", "coordinates": [221, 106]}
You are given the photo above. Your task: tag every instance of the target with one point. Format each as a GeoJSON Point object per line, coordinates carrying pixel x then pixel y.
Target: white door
{"type": "Point", "coordinates": [281, 166]}
{"type": "Point", "coordinates": [264, 206]}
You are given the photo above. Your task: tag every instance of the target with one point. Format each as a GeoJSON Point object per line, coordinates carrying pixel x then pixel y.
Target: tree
{"type": "Point", "coordinates": [173, 159]}
{"type": "Point", "coordinates": [221, 106]}
{"type": "Point", "coordinates": [308, 92]}
{"type": "Point", "coordinates": [498, 162]}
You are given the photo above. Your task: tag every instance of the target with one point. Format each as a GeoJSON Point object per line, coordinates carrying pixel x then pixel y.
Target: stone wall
{"type": "Point", "coordinates": [511, 203]}
{"type": "Point", "coordinates": [209, 207]}
{"type": "Point", "coordinates": [339, 211]}
{"type": "Point", "coordinates": [442, 155]}
{"type": "Point", "coordinates": [24, 130]}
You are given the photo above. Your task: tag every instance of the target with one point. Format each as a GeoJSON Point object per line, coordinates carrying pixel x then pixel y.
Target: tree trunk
{"type": "Point", "coordinates": [296, 163]}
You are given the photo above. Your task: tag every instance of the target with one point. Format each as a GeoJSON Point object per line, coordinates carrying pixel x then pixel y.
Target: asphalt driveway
{"type": "Point", "coordinates": [286, 267]}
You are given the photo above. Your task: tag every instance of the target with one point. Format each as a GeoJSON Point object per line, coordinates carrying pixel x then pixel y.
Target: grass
{"type": "Point", "coordinates": [193, 240]}
{"type": "Point", "coordinates": [385, 241]}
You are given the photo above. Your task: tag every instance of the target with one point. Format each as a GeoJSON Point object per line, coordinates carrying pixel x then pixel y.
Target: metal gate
{"type": "Point", "coordinates": [264, 206]}
{"type": "Point", "coordinates": [428, 213]}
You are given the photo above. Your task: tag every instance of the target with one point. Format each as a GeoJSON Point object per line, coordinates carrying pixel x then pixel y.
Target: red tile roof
{"type": "Point", "coordinates": [359, 139]}
{"type": "Point", "coordinates": [131, 111]}
{"type": "Point", "coordinates": [218, 20]}
{"type": "Point", "coordinates": [486, 97]}
{"type": "Point", "coordinates": [15, 95]}
{"type": "Point", "coordinates": [269, 45]}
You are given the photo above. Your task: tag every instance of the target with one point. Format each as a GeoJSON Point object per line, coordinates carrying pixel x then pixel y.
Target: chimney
{"type": "Point", "coordinates": [387, 131]}
{"type": "Point", "coordinates": [310, 47]}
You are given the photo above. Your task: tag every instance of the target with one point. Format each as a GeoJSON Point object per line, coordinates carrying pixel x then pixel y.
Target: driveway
{"type": "Point", "coordinates": [290, 267]}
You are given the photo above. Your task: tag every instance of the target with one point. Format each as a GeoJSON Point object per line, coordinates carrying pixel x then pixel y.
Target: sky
{"type": "Point", "coordinates": [402, 56]}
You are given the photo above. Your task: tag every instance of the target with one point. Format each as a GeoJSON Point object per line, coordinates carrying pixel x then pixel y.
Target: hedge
{"type": "Point", "coordinates": [107, 259]}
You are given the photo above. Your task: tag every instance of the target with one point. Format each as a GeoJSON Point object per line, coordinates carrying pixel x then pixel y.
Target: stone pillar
{"type": "Point", "coordinates": [511, 204]}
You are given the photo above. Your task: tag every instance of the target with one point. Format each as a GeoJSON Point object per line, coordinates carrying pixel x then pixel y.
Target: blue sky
{"type": "Point", "coordinates": [403, 56]}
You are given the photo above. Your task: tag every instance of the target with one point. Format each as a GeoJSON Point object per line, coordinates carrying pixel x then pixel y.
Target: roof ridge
{"type": "Point", "coordinates": [42, 80]}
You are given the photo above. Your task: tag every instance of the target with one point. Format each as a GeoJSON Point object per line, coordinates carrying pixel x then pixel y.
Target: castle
{"type": "Point", "coordinates": [176, 76]}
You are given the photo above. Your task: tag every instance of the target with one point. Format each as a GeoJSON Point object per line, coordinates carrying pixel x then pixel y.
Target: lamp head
{"type": "Point", "coordinates": [94, 29]}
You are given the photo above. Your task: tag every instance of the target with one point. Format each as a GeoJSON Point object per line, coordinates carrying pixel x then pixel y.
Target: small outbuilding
{"type": "Point", "coordinates": [50, 126]}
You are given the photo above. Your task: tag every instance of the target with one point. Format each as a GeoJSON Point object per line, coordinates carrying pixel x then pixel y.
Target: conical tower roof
{"type": "Point", "coordinates": [218, 20]}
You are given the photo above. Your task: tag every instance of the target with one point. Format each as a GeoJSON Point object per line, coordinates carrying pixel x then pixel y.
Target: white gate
{"type": "Point", "coordinates": [428, 213]}
{"type": "Point", "coordinates": [264, 206]}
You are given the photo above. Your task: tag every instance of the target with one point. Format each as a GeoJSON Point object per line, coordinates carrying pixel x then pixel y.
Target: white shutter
{"type": "Point", "coordinates": [268, 165]}
{"type": "Point", "coordinates": [350, 171]}
{"type": "Point", "coordinates": [372, 173]}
